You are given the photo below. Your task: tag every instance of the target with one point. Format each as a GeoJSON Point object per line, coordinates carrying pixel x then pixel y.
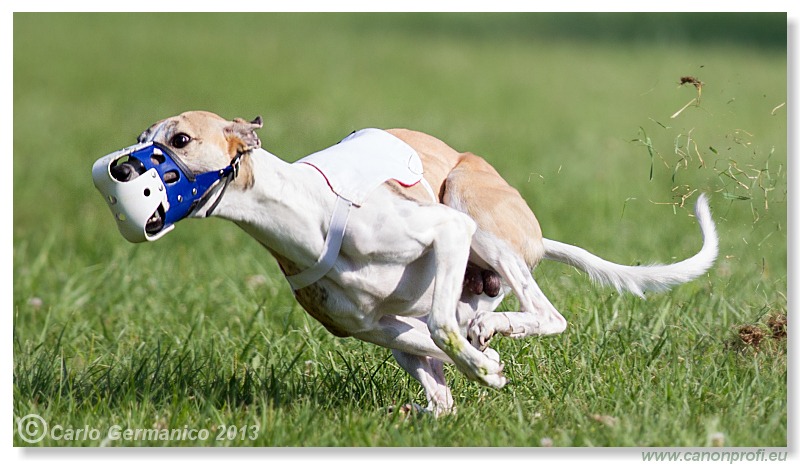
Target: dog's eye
{"type": "Point", "coordinates": [180, 140]}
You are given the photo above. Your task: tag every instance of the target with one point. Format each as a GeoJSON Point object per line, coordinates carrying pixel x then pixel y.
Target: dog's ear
{"type": "Point", "coordinates": [241, 135]}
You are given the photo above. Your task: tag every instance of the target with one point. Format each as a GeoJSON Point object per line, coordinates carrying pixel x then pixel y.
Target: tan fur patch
{"type": "Point", "coordinates": [482, 193]}
{"type": "Point", "coordinates": [242, 139]}
{"type": "Point", "coordinates": [495, 206]}
{"type": "Point", "coordinates": [245, 178]}
{"type": "Point", "coordinates": [437, 157]}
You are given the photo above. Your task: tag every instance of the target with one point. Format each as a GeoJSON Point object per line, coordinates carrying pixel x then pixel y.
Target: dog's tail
{"type": "Point", "coordinates": [637, 279]}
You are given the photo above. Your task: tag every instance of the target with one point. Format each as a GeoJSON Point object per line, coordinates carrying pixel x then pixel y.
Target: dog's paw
{"type": "Point", "coordinates": [477, 365]}
{"type": "Point", "coordinates": [495, 381]}
{"type": "Point", "coordinates": [492, 375]}
{"type": "Point", "coordinates": [438, 410]}
{"type": "Point", "coordinates": [483, 367]}
{"type": "Point", "coordinates": [481, 330]}
{"type": "Point", "coordinates": [492, 355]}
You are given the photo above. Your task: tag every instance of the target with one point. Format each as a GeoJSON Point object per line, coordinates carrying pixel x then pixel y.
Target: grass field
{"type": "Point", "coordinates": [200, 331]}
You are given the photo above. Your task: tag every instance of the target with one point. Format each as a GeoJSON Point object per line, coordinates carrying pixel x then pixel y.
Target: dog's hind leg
{"type": "Point", "coordinates": [430, 374]}
{"type": "Point", "coordinates": [508, 240]}
{"type": "Point", "coordinates": [472, 304]}
{"type": "Point", "coordinates": [475, 188]}
{"type": "Point", "coordinates": [538, 316]}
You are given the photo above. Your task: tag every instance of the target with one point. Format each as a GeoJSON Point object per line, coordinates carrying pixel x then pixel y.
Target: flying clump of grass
{"type": "Point", "coordinates": [696, 101]}
{"type": "Point", "coordinates": [745, 170]}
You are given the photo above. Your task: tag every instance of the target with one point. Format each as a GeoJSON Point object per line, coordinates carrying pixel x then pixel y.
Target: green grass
{"type": "Point", "coordinates": [199, 330]}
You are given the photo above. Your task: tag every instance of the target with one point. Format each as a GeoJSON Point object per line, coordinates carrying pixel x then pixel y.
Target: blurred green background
{"type": "Point", "coordinates": [562, 104]}
{"type": "Point", "coordinates": [573, 109]}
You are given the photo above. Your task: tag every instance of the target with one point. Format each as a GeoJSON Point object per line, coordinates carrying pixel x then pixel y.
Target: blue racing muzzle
{"type": "Point", "coordinates": [148, 189]}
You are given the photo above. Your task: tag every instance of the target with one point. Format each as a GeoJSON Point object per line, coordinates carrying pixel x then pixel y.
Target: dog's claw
{"type": "Point", "coordinates": [479, 333]}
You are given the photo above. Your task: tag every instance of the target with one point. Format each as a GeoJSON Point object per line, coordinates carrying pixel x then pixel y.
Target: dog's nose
{"type": "Point", "coordinates": [127, 171]}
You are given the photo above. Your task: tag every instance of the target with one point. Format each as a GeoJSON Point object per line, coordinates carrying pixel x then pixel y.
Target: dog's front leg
{"type": "Point", "coordinates": [430, 374]}
{"type": "Point", "coordinates": [412, 346]}
{"type": "Point", "coordinates": [451, 247]}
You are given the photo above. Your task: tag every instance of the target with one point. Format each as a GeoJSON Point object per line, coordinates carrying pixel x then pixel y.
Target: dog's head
{"type": "Point", "coordinates": [204, 140]}
{"type": "Point", "coordinates": [184, 158]}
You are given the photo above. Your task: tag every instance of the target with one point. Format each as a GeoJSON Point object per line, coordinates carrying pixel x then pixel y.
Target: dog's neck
{"type": "Point", "coordinates": [281, 208]}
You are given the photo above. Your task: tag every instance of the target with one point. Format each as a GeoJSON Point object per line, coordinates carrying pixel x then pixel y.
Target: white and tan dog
{"type": "Point", "coordinates": [415, 275]}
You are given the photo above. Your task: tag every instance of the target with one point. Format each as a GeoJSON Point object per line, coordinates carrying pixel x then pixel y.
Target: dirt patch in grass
{"type": "Point", "coordinates": [751, 335]}
{"type": "Point", "coordinates": [768, 334]}
{"type": "Point", "coordinates": [777, 325]}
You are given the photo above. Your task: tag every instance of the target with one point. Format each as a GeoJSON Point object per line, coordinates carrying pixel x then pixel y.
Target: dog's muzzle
{"type": "Point", "coordinates": [148, 189]}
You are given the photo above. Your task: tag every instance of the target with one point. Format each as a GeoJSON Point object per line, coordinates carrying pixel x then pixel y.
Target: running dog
{"type": "Point", "coordinates": [391, 237]}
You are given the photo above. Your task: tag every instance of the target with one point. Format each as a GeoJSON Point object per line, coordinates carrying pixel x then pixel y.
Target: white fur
{"type": "Point", "coordinates": [638, 279]}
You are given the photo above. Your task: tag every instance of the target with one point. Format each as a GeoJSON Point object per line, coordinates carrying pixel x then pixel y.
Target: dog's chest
{"type": "Point", "coordinates": [313, 298]}
{"type": "Point", "coordinates": [364, 160]}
